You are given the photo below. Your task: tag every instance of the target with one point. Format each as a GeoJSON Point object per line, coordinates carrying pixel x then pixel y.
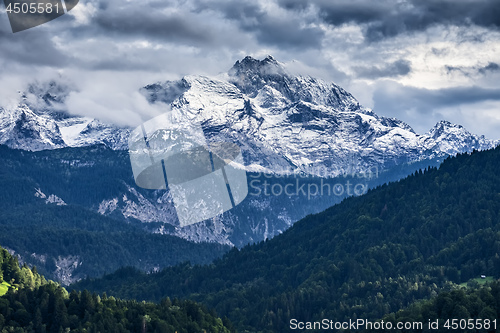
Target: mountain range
{"type": "Point", "coordinates": [431, 236]}
{"type": "Point", "coordinates": [286, 125]}
{"type": "Point", "coordinates": [281, 121]}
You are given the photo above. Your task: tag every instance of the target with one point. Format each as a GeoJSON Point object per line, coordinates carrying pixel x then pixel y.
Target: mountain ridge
{"type": "Point", "coordinates": [286, 126]}
{"type": "Point", "coordinates": [364, 258]}
{"type": "Point", "coordinates": [280, 121]}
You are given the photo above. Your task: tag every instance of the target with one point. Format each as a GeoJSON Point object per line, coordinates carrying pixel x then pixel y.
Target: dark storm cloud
{"type": "Point", "coordinates": [277, 29]}
{"type": "Point", "coordinates": [397, 68]}
{"type": "Point", "coordinates": [343, 11]}
{"type": "Point", "coordinates": [243, 11]}
{"type": "Point", "coordinates": [179, 37]}
{"type": "Point", "coordinates": [460, 69]}
{"type": "Point", "coordinates": [294, 4]}
{"type": "Point", "coordinates": [392, 98]}
{"type": "Point", "coordinates": [473, 70]}
{"type": "Point", "coordinates": [491, 67]}
{"type": "Point", "coordinates": [31, 47]}
{"type": "Point", "coordinates": [202, 24]}
{"type": "Point", "coordinates": [391, 18]}
{"type": "Point", "coordinates": [286, 33]}
{"type": "Point", "coordinates": [337, 13]}
{"type": "Point", "coordinates": [152, 23]}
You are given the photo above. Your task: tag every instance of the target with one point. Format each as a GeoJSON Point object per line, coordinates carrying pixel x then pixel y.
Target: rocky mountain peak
{"type": "Point", "coordinates": [446, 128]}
{"type": "Point", "coordinates": [268, 80]}
{"type": "Point", "coordinates": [283, 124]}
{"type": "Point", "coordinates": [452, 138]}
{"type": "Point", "coordinates": [250, 74]}
{"type": "Point", "coordinates": [280, 121]}
{"type": "Point", "coordinates": [252, 66]}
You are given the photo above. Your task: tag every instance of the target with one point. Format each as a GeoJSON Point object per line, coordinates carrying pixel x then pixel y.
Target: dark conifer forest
{"type": "Point", "coordinates": [423, 248]}
{"type": "Point", "coordinates": [32, 304]}
{"type": "Point", "coordinates": [435, 231]}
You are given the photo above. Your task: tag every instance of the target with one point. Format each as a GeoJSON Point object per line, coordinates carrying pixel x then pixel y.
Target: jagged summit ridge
{"type": "Point", "coordinates": [268, 65]}
{"type": "Point", "coordinates": [254, 77]}
{"type": "Point", "coordinates": [40, 121]}
{"type": "Point", "coordinates": [449, 138]}
{"type": "Point", "coordinates": [281, 121]}
{"type": "Point", "coordinates": [285, 122]}
{"type": "Point", "coordinates": [254, 70]}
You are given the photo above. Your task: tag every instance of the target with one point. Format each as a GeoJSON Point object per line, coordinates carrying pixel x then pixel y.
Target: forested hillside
{"type": "Point", "coordinates": [69, 241]}
{"type": "Point", "coordinates": [472, 310]}
{"type": "Point", "coordinates": [76, 212]}
{"type": "Point", "coordinates": [32, 304]}
{"type": "Point", "coordinates": [364, 258]}
{"type": "Point", "coordinates": [13, 277]}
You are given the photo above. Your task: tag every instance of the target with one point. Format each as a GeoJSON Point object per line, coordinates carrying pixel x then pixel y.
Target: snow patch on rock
{"type": "Point", "coordinates": [65, 267]}
{"type": "Point", "coordinates": [108, 206]}
{"type": "Point", "coordinates": [50, 199]}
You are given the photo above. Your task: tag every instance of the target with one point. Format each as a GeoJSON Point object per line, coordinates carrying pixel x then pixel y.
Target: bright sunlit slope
{"type": "Point", "coordinates": [35, 304]}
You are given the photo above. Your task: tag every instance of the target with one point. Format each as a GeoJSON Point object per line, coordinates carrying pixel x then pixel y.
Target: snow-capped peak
{"type": "Point", "coordinates": [250, 67]}
{"type": "Point", "coordinates": [285, 122]}
{"type": "Point", "coordinates": [444, 127]}
{"type": "Point", "coordinates": [281, 121]}
{"type": "Point", "coordinates": [40, 121]}
{"type": "Point", "coordinates": [452, 138]}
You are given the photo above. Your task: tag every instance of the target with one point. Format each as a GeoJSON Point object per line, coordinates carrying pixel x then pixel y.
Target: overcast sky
{"type": "Point", "coordinates": [420, 61]}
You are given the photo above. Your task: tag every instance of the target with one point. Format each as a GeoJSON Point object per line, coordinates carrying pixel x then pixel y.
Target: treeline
{"type": "Point", "coordinates": [33, 304]}
{"type": "Point", "coordinates": [364, 258]}
{"type": "Point", "coordinates": [42, 233]}
{"type": "Point", "coordinates": [474, 310]}
{"type": "Point", "coordinates": [13, 277]}
{"type": "Point", "coordinates": [95, 252]}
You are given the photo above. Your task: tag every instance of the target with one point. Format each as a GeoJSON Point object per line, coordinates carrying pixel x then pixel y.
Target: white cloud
{"type": "Point", "coordinates": [83, 13]}
{"type": "Point", "coordinates": [112, 98]}
{"type": "Point", "coordinates": [110, 49]}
